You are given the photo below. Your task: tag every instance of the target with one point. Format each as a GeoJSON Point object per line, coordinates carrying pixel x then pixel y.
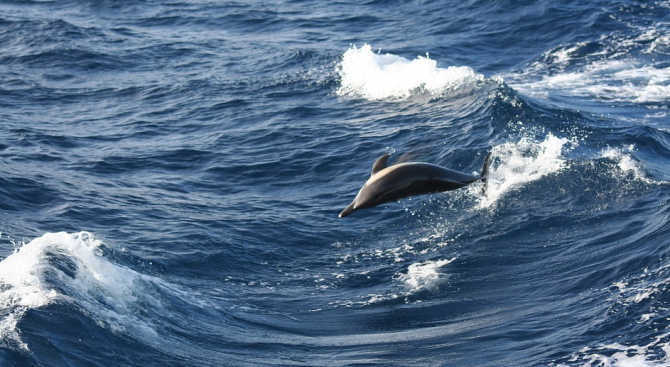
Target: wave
{"type": "Point", "coordinates": [516, 164]}
{"type": "Point", "coordinates": [70, 268]}
{"type": "Point", "coordinates": [627, 67]}
{"type": "Point", "coordinates": [640, 303]}
{"type": "Point", "coordinates": [376, 76]}
{"type": "Point", "coordinates": [627, 81]}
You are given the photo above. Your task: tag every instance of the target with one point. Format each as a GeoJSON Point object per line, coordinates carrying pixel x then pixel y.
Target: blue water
{"type": "Point", "coordinates": [171, 174]}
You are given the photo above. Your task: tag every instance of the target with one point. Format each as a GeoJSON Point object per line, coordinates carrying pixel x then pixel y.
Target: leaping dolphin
{"type": "Point", "coordinates": [388, 184]}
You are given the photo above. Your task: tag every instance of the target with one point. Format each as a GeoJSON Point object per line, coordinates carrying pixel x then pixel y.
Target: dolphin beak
{"type": "Point", "coordinates": [348, 210]}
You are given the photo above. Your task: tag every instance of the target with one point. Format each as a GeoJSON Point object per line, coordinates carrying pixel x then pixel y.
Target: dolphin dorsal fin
{"type": "Point", "coordinates": [380, 164]}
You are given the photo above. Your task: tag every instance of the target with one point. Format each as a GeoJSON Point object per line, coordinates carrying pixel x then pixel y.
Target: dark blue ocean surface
{"type": "Point", "coordinates": [171, 174]}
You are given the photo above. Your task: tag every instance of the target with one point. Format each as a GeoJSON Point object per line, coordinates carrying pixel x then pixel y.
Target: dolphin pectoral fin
{"type": "Point", "coordinates": [380, 164]}
{"type": "Point", "coordinates": [485, 172]}
{"type": "Point", "coordinates": [348, 210]}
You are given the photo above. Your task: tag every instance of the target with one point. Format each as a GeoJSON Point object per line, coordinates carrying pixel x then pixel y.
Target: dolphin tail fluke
{"type": "Point", "coordinates": [485, 172]}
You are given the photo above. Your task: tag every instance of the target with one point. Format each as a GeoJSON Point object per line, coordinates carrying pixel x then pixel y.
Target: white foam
{"type": "Point", "coordinates": [609, 72]}
{"type": "Point", "coordinates": [517, 164]}
{"type": "Point", "coordinates": [612, 80]}
{"type": "Point", "coordinates": [424, 275]}
{"type": "Point", "coordinates": [623, 158]}
{"type": "Point", "coordinates": [657, 40]}
{"type": "Point", "coordinates": [619, 355]}
{"type": "Point", "coordinates": [375, 76]}
{"type": "Point", "coordinates": [30, 279]}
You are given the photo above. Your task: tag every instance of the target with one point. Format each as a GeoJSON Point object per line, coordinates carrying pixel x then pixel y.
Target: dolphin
{"type": "Point", "coordinates": [391, 183]}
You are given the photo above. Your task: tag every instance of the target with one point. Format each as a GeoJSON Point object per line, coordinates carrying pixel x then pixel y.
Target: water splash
{"type": "Point", "coordinates": [424, 275]}
{"type": "Point", "coordinates": [626, 164]}
{"type": "Point", "coordinates": [517, 164]}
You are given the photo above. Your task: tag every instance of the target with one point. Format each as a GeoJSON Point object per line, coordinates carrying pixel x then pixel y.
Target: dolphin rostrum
{"type": "Point", "coordinates": [388, 184]}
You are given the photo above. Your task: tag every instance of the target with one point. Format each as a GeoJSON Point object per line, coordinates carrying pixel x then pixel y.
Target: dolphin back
{"type": "Point", "coordinates": [390, 183]}
{"type": "Point", "coordinates": [410, 179]}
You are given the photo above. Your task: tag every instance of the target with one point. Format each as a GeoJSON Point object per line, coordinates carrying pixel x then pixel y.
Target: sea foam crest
{"type": "Point", "coordinates": [613, 80]}
{"type": "Point", "coordinates": [605, 70]}
{"type": "Point", "coordinates": [375, 76]}
{"type": "Point", "coordinates": [520, 163]}
{"type": "Point", "coordinates": [70, 268]}
{"type": "Point", "coordinates": [618, 355]}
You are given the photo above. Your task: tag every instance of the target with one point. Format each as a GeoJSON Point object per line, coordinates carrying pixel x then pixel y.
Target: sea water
{"type": "Point", "coordinates": [171, 175]}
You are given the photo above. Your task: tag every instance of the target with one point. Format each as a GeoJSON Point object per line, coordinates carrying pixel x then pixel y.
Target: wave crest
{"type": "Point", "coordinates": [70, 268]}
{"type": "Point", "coordinates": [375, 76]}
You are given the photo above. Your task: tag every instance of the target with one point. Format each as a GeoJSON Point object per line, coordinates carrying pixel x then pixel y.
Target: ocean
{"type": "Point", "coordinates": [171, 174]}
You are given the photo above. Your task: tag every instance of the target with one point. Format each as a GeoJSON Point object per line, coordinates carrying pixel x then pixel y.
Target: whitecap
{"type": "Point", "coordinates": [35, 276]}
{"type": "Point", "coordinates": [606, 69]}
{"type": "Point", "coordinates": [375, 76]}
{"type": "Point", "coordinates": [626, 81]}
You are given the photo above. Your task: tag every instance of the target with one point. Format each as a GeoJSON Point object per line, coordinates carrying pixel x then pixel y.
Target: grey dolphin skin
{"type": "Point", "coordinates": [388, 184]}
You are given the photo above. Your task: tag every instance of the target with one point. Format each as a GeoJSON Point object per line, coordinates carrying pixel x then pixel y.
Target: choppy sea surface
{"type": "Point", "coordinates": [171, 174]}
